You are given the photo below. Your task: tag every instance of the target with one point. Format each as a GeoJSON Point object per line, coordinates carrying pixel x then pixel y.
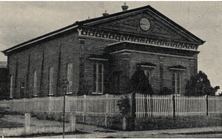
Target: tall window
{"type": "Point", "coordinates": [176, 82]}
{"type": "Point", "coordinates": [69, 77]}
{"type": "Point", "coordinates": [11, 86]}
{"type": "Point", "coordinates": [148, 74]}
{"type": "Point", "coordinates": [51, 70]}
{"type": "Point", "coordinates": [98, 78]}
{"type": "Point", "coordinates": [35, 80]}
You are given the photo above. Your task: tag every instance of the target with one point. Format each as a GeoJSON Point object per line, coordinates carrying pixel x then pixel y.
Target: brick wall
{"type": "Point", "coordinates": [92, 46]}
{"type": "Point", "coordinates": [155, 80]}
{"type": "Point", "coordinates": [33, 56]}
{"type": "Point", "coordinates": [60, 51]}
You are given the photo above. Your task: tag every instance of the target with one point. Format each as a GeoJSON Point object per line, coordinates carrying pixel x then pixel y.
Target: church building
{"type": "Point", "coordinates": [99, 56]}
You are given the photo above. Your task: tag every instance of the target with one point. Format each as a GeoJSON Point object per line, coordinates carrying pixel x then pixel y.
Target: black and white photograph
{"type": "Point", "coordinates": [110, 69]}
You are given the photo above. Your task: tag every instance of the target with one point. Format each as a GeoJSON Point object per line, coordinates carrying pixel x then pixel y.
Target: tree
{"type": "Point", "coordinates": [199, 85]}
{"type": "Point", "coordinates": [139, 82]}
{"type": "Point", "coordinates": [220, 94]}
{"type": "Point", "coordinates": [165, 91]}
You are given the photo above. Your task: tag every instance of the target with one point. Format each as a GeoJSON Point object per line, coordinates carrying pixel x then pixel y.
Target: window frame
{"type": "Point", "coordinates": [35, 83]}
{"type": "Point", "coordinates": [96, 82]}
{"type": "Point", "coordinates": [176, 82]}
{"type": "Point", "coordinates": [11, 87]}
{"type": "Point", "coordinates": [51, 82]}
{"type": "Point", "coordinates": [69, 77]}
{"type": "Point", "coordinates": [148, 77]}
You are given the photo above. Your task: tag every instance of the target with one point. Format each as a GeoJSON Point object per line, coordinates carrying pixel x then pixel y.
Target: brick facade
{"type": "Point", "coordinates": [117, 42]}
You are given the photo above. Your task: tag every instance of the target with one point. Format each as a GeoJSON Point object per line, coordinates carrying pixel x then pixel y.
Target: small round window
{"type": "Point", "coordinates": [144, 24]}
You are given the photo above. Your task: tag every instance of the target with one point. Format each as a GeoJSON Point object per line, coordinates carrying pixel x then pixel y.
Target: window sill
{"type": "Point", "coordinates": [68, 93]}
{"type": "Point", "coordinates": [97, 93]}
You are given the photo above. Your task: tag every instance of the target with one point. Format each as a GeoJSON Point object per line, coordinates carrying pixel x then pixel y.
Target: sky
{"type": "Point", "coordinates": [24, 20]}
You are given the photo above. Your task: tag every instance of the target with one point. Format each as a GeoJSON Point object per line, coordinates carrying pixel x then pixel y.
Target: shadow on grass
{"type": "Point", "coordinates": [6, 124]}
{"type": "Point", "coordinates": [205, 132]}
{"type": "Point", "coordinates": [48, 134]}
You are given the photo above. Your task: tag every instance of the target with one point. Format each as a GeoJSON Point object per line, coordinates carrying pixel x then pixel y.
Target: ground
{"type": "Point", "coordinates": [11, 125]}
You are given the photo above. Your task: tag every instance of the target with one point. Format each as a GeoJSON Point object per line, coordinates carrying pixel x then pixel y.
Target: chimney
{"type": "Point", "coordinates": [105, 14]}
{"type": "Point", "coordinates": [125, 7]}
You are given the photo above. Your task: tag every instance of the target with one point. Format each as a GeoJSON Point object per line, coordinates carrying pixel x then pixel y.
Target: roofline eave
{"type": "Point", "coordinates": [85, 22]}
{"type": "Point", "coordinates": [40, 38]}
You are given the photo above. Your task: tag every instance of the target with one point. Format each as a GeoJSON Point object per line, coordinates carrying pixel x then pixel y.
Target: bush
{"type": "Point", "coordinates": [41, 116]}
{"type": "Point", "coordinates": [165, 91]}
{"type": "Point", "coordinates": [199, 85]}
{"type": "Point", "coordinates": [124, 105]}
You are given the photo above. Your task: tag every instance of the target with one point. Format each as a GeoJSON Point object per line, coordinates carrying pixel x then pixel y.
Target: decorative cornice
{"type": "Point", "coordinates": [135, 39]}
{"type": "Point", "coordinates": [143, 52]}
{"type": "Point", "coordinates": [99, 59]}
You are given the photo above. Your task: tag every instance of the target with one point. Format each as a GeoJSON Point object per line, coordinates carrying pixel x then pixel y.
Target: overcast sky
{"type": "Point", "coordinates": [21, 21]}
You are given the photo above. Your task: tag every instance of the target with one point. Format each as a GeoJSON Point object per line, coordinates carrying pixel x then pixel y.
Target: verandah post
{"type": "Point", "coordinates": [206, 99]}
{"type": "Point", "coordinates": [173, 106]}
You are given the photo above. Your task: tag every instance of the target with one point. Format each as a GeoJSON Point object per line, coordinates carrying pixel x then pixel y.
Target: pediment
{"type": "Point", "coordinates": [160, 26]}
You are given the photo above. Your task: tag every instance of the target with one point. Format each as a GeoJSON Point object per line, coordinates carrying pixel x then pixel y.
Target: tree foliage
{"type": "Point", "coordinates": [199, 85]}
{"type": "Point", "coordinates": [165, 91]}
{"type": "Point", "coordinates": [139, 82]}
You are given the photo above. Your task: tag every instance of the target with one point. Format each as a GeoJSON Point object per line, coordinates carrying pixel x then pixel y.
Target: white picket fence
{"type": "Point", "coordinates": [146, 106]}
{"type": "Point", "coordinates": [183, 106]}
{"type": "Point", "coordinates": [93, 105]}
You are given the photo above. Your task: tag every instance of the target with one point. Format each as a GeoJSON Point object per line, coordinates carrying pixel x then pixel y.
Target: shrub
{"type": "Point", "coordinates": [41, 116]}
{"type": "Point", "coordinates": [199, 85]}
{"type": "Point", "coordinates": [124, 105]}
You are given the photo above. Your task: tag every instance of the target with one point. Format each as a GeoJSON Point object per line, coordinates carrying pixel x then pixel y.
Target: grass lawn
{"type": "Point", "coordinates": [6, 124]}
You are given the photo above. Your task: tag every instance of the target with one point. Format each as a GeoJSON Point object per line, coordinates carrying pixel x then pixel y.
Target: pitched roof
{"type": "Point", "coordinates": [97, 20]}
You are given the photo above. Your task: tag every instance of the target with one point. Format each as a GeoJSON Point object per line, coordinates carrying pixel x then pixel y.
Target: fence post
{"type": "Point", "coordinates": [145, 104]}
{"type": "Point", "coordinates": [206, 98]}
{"type": "Point", "coordinates": [24, 105]}
{"type": "Point", "coordinates": [84, 109]}
{"type": "Point", "coordinates": [72, 121]}
{"type": "Point", "coordinates": [107, 110]}
{"type": "Point", "coordinates": [173, 104]}
{"type": "Point", "coordinates": [27, 123]}
{"type": "Point", "coordinates": [151, 105]}
{"type": "Point", "coordinates": [133, 112]}
{"type": "Point", "coordinates": [124, 123]}
{"type": "Point", "coordinates": [50, 104]}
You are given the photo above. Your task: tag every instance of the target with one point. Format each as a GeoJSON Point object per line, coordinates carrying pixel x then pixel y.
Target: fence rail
{"type": "Point", "coordinates": [146, 105]}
